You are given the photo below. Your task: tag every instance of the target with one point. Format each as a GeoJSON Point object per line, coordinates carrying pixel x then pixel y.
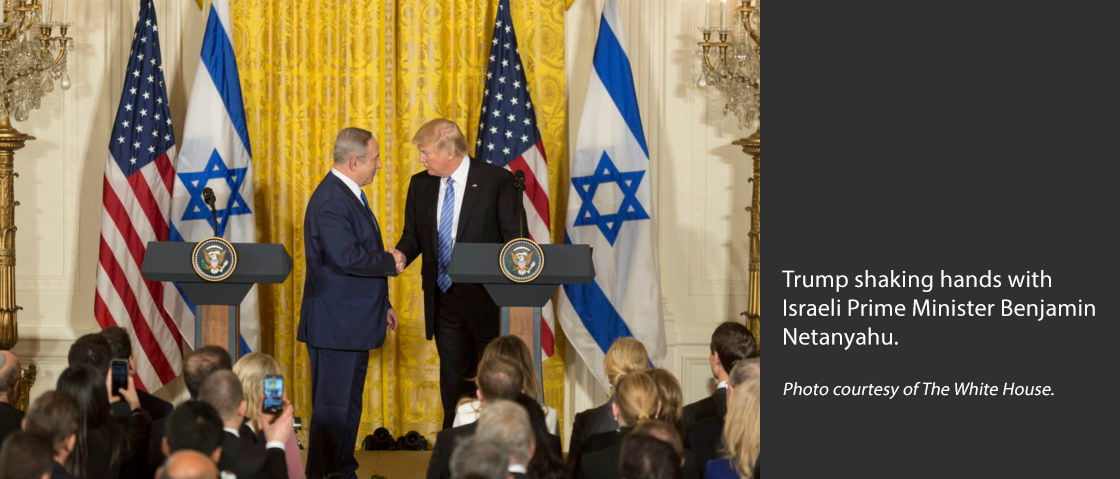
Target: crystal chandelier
{"type": "Point", "coordinates": [32, 59]}
{"type": "Point", "coordinates": [731, 64]}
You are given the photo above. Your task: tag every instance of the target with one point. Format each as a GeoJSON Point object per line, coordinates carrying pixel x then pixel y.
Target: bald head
{"type": "Point", "coordinates": [9, 377]}
{"type": "Point", "coordinates": [188, 464]}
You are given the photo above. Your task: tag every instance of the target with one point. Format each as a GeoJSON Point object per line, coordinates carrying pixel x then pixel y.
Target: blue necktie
{"type": "Point", "coordinates": [446, 217]}
{"type": "Point", "coordinates": [365, 202]}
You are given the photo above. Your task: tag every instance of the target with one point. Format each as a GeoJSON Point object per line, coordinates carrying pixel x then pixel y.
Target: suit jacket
{"type": "Point", "coordinates": [250, 460]}
{"type": "Point", "coordinates": [346, 293]}
{"type": "Point", "coordinates": [706, 439]}
{"type": "Point", "coordinates": [59, 472]}
{"type": "Point", "coordinates": [10, 418]}
{"type": "Point", "coordinates": [439, 465]}
{"type": "Point", "coordinates": [588, 423]}
{"type": "Point", "coordinates": [711, 406]}
{"type": "Point", "coordinates": [489, 215]}
{"type": "Point", "coordinates": [157, 408]}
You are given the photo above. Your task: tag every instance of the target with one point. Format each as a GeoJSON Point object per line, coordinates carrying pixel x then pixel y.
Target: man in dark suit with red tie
{"type": "Point", "coordinates": [455, 199]}
{"type": "Point", "coordinates": [346, 310]}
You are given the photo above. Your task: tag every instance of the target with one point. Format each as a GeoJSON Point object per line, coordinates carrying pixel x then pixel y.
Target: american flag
{"type": "Point", "coordinates": [508, 137]}
{"type": "Point", "coordinates": [136, 197]}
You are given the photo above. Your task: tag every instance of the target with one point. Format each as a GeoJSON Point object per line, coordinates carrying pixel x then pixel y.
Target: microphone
{"type": "Point", "coordinates": [519, 186]}
{"type": "Point", "coordinates": [208, 197]}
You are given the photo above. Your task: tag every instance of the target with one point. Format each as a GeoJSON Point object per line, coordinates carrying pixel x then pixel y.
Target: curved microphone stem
{"type": "Point", "coordinates": [519, 186]}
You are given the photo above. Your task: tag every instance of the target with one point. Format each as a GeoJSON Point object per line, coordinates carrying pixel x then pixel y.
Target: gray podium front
{"type": "Point", "coordinates": [217, 303]}
{"type": "Point", "coordinates": [521, 302]}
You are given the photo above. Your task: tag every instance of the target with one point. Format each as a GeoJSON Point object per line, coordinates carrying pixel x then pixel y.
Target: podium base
{"type": "Point", "coordinates": [218, 324]}
{"type": "Point", "coordinates": [525, 323]}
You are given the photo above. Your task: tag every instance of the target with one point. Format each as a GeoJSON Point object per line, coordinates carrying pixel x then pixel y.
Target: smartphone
{"type": "Point", "coordinates": [273, 394]}
{"type": "Point", "coordinates": [119, 368]}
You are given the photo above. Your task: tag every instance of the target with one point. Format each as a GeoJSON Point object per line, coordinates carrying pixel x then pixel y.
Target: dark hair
{"type": "Point", "coordinates": [499, 378]}
{"type": "Point", "coordinates": [87, 386]}
{"type": "Point", "coordinates": [91, 349]}
{"type": "Point", "coordinates": [194, 425]}
{"type": "Point", "coordinates": [731, 342]}
{"type": "Point", "coordinates": [643, 456]}
{"type": "Point", "coordinates": [206, 360]}
{"type": "Point", "coordinates": [54, 415]}
{"type": "Point", "coordinates": [25, 456]}
{"type": "Point", "coordinates": [545, 464]}
{"type": "Point", "coordinates": [120, 346]}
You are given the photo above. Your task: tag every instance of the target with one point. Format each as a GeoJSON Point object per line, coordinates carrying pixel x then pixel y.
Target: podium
{"type": "Point", "coordinates": [216, 303]}
{"type": "Point", "coordinates": [521, 302]}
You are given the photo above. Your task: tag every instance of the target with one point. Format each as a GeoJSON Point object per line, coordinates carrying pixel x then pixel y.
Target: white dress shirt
{"type": "Point", "coordinates": [354, 188]}
{"type": "Point", "coordinates": [460, 177]}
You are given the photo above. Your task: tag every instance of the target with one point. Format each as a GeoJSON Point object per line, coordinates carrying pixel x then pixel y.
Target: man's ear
{"type": "Point", "coordinates": [478, 394]}
{"type": "Point", "coordinates": [241, 408]}
{"type": "Point", "coordinates": [71, 440]}
{"type": "Point", "coordinates": [164, 447]}
{"type": "Point", "coordinates": [217, 454]}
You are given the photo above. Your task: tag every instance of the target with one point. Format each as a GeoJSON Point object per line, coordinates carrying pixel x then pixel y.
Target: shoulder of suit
{"type": "Point", "coordinates": [486, 168]}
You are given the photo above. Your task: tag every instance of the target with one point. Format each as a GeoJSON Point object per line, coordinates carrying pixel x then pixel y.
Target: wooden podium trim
{"type": "Point", "coordinates": [218, 324]}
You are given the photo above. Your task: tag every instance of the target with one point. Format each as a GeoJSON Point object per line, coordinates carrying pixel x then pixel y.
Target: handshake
{"type": "Point", "coordinates": [399, 258]}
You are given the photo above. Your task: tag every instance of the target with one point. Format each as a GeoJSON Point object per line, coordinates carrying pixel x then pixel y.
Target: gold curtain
{"type": "Point", "coordinates": [311, 67]}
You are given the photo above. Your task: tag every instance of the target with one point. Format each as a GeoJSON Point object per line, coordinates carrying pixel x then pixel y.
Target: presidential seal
{"type": "Point", "coordinates": [214, 259]}
{"type": "Point", "coordinates": [521, 260]}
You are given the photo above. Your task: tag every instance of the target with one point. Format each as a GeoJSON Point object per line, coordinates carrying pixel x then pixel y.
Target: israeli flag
{"type": "Point", "coordinates": [610, 208]}
{"type": "Point", "coordinates": [215, 153]}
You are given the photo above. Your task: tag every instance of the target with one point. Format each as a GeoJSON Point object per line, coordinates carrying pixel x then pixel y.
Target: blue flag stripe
{"type": "Point", "coordinates": [613, 68]}
{"type": "Point", "coordinates": [217, 55]}
{"type": "Point", "coordinates": [596, 311]}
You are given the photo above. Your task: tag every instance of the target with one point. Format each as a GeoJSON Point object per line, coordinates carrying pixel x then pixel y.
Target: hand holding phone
{"type": "Point", "coordinates": [273, 402]}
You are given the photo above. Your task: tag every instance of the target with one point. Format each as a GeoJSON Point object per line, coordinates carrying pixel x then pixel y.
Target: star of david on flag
{"type": "Point", "coordinates": [628, 209]}
{"type": "Point", "coordinates": [216, 153]}
{"type": "Point", "coordinates": [610, 208]}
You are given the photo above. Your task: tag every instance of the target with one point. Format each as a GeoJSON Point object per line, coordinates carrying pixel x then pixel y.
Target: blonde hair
{"type": "Point", "coordinates": [625, 356]}
{"type": "Point", "coordinates": [514, 349]}
{"type": "Point", "coordinates": [251, 370]}
{"type": "Point", "coordinates": [669, 394]}
{"type": "Point", "coordinates": [742, 427]}
{"type": "Point", "coordinates": [443, 134]}
{"type": "Point", "coordinates": [636, 397]}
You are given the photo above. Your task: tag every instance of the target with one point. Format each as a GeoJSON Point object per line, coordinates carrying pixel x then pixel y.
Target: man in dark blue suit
{"type": "Point", "coordinates": [346, 310]}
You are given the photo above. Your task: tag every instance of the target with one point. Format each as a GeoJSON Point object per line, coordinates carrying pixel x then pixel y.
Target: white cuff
{"type": "Point", "coordinates": [277, 444]}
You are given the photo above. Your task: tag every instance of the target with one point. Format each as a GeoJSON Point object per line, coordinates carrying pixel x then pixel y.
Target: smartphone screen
{"type": "Point", "coordinates": [120, 375]}
{"type": "Point", "coordinates": [273, 394]}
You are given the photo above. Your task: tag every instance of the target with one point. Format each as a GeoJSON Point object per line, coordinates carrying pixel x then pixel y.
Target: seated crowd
{"type": "Point", "coordinates": [83, 430]}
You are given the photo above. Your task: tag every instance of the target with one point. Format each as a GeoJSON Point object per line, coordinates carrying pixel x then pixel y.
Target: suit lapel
{"type": "Point", "coordinates": [355, 201]}
{"type": "Point", "coordinates": [432, 216]}
{"type": "Point", "coordinates": [470, 197]}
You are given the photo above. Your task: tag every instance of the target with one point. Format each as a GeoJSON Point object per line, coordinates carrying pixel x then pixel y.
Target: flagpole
{"type": "Point", "coordinates": [752, 146]}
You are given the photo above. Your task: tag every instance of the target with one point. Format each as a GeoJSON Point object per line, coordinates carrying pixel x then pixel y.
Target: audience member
{"type": "Point", "coordinates": [625, 356]}
{"type": "Point", "coordinates": [201, 363]}
{"type": "Point", "coordinates": [55, 416]}
{"type": "Point", "coordinates": [705, 438]}
{"type": "Point", "coordinates": [251, 370]}
{"type": "Point", "coordinates": [742, 435]}
{"type": "Point", "coordinates": [498, 378]}
{"type": "Point", "coordinates": [670, 395]}
{"type": "Point", "coordinates": [91, 349]}
{"type": "Point", "coordinates": [731, 342]}
{"type": "Point", "coordinates": [189, 464]}
{"type": "Point", "coordinates": [477, 458]}
{"type": "Point", "coordinates": [646, 457]}
{"type": "Point", "coordinates": [196, 426]}
{"type": "Point", "coordinates": [507, 423]}
{"type": "Point", "coordinates": [635, 401]}
{"type": "Point", "coordinates": [511, 347]}
{"type": "Point", "coordinates": [245, 456]}
{"type": "Point", "coordinates": [9, 394]}
{"type": "Point", "coordinates": [25, 456]}
{"type": "Point", "coordinates": [104, 447]}
{"type": "Point", "coordinates": [120, 347]}
{"type": "Point", "coordinates": [547, 462]}
{"type": "Point", "coordinates": [196, 368]}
